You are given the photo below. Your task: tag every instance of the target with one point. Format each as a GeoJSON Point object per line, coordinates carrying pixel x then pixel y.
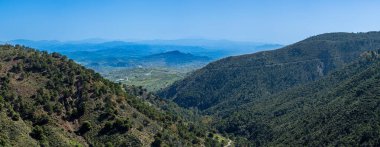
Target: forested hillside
{"type": "Point", "coordinates": [48, 100]}
{"type": "Point", "coordinates": [228, 83]}
{"type": "Point", "coordinates": [341, 109]}
{"type": "Point", "coordinates": [322, 91]}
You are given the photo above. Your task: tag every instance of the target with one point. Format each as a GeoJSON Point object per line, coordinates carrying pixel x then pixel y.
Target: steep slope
{"type": "Point", "coordinates": [341, 109]}
{"type": "Point", "coordinates": [226, 84]}
{"type": "Point", "coordinates": [48, 100]}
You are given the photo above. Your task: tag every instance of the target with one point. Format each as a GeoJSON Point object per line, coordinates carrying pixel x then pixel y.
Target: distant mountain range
{"type": "Point", "coordinates": [130, 59]}
{"type": "Point", "coordinates": [212, 48]}
{"type": "Point", "coordinates": [235, 47]}
{"type": "Point", "coordinates": [105, 56]}
{"type": "Point", "coordinates": [174, 58]}
{"type": "Point", "coordinates": [99, 53]}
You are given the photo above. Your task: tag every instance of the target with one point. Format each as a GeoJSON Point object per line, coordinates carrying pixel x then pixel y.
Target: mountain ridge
{"type": "Point", "coordinates": [175, 57]}
{"type": "Point", "coordinates": [257, 78]}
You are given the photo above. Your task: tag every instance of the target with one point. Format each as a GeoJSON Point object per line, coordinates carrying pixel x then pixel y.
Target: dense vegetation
{"type": "Point", "coordinates": [230, 82]}
{"type": "Point", "coordinates": [320, 91]}
{"type": "Point", "coordinates": [48, 100]}
{"type": "Point", "coordinates": [341, 109]}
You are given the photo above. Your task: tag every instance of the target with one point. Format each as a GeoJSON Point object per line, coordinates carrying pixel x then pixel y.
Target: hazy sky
{"type": "Point", "coordinates": [279, 21]}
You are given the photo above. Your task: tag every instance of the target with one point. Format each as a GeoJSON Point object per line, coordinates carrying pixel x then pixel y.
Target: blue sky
{"type": "Point", "coordinates": [278, 21]}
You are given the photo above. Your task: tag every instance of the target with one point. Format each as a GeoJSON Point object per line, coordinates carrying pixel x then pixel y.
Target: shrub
{"type": "Point", "coordinates": [122, 125]}
{"type": "Point", "coordinates": [37, 133]}
{"type": "Point", "coordinates": [86, 126]}
{"type": "Point", "coordinates": [41, 120]}
{"type": "Point", "coordinates": [3, 142]}
{"type": "Point", "coordinates": [118, 126]}
{"type": "Point", "coordinates": [157, 142]}
{"type": "Point", "coordinates": [15, 117]}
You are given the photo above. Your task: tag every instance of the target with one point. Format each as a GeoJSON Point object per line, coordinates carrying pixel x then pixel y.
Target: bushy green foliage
{"type": "Point", "coordinates": [187, 123]}
{"type": "Point", "coordinates": [84, 128]}
{"type": "Point", "coordinates": [38, 133]}
{"type": "Point", "coordinates": [117, 126]}
{"type": "Point", "coordinates": [61, 103]}
{"type": "Point", "coordinates": [339, 109]}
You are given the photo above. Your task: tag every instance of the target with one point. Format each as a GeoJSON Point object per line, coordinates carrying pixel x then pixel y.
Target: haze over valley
{"type": "Point", "coordinates": [152, 64]}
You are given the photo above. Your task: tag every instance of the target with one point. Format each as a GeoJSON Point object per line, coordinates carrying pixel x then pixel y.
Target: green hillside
{"type": "Point", "coordinates": [341, 109]}
{"type": "Point", "coordinates": [228, 83]}
{"type": "Point", "coordinates": [48, 100]}
{"type": "Point", "coordinates": [322, 91]}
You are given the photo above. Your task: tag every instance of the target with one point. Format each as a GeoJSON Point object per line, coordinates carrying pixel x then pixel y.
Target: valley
{"type": "Point", "coordinates": [151, 64]}
{"type": "Point", "coordinates": [288, 96]}
{"type": "Point", "coordinates": [189, 73]}
{"type": "Point", "coordinates": [153, 79]}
